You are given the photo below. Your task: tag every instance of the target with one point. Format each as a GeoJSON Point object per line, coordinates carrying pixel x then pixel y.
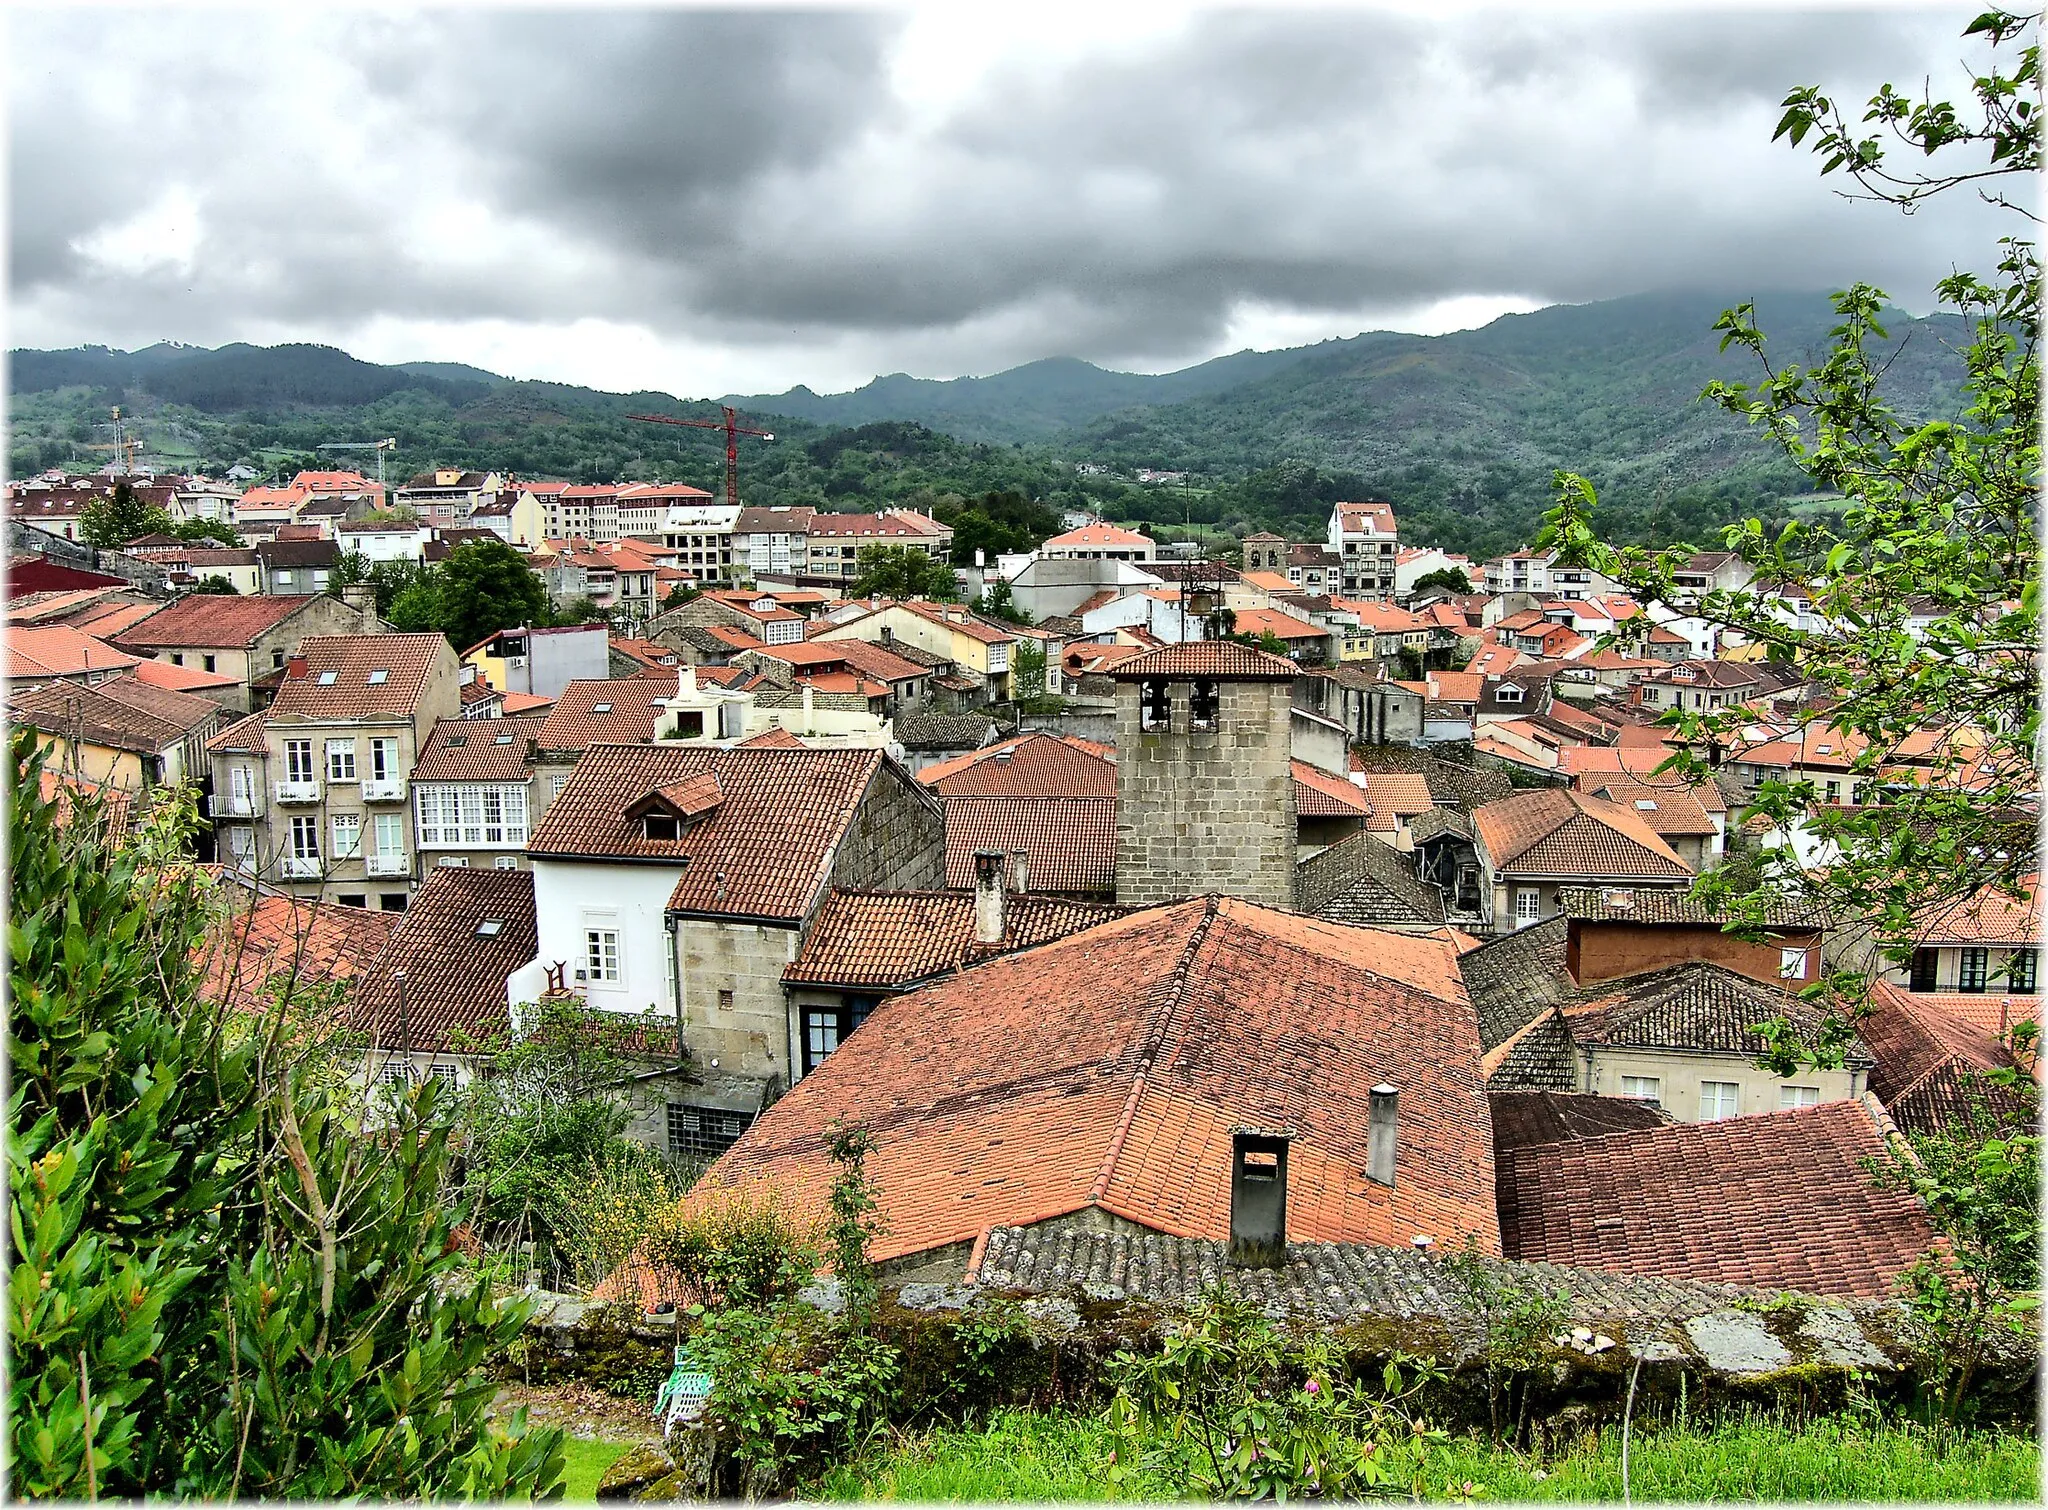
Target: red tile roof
{"type": "Point", "coordinates": [1318, 794]}
{"type": "Point", "coordinates": [1529, 1119]}
{"type": "Point", "coordinates": [1070, 841]}
{"type": "Point", "coordinates": [1113, 536]}
{"type": "Point", "coordinates": [455, 962]}
{"type": "Point", "coordinates": [1285, 626]}
{"type": "Point", "coordinates": [271, 941]}
{"type": "Point", "coordinates": [1109, 1068]}
{"type": "Point", "coordinates": [766, 850]}
{"type": "Point", "coordinates": [58, 650]}
{"type": "Point", "coordinates": [1671, 811]}
{"type": "Point", "coordinates": [362, 676]}
{"type": "Point", "coordinates": [477, 749]}
{"type": "Point", "coordinates": [179, 678]}
{"type": "Point", "coordinates": [1927, 1061]}
{"type": "Point", "coordinates": [1989, 917]}
{"type": "Point", "coordinates": [209, 621]}
{"type": "Point", "coordinates": [1026, 765]}
{"type": "Point", "coordinates": [893, 940]}
{"type": "Point", "coordinates": [1729, 1202]}
{"type": "Point", "coordinates": [620, 711]}
{"type": "Point", "coordinates": [1559, 833]}
{"type": "Point", "coordinates": [1218, 658]}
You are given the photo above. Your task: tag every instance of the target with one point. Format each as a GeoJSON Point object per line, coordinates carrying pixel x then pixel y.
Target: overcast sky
{"type": "Point", "coordinates": [737, 201]}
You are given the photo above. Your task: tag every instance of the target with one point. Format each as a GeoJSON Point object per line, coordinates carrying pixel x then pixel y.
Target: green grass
{"type": "Point", "coordinates": [1022, 1456]}
{"type": "Point", "coordinates": [585, 1464]}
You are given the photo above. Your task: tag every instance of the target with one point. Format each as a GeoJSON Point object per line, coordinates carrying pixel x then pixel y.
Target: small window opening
{"type": "Point", "coordinates": [1155, 705]}
{"type": "Point", "coordinates": [1202, 706]}
{"type": "Point", "coordinates": [662, 826]}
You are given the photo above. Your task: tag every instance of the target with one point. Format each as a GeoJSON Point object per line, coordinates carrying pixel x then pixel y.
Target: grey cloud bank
{"type": "Point", "coordinates": [751, 200]}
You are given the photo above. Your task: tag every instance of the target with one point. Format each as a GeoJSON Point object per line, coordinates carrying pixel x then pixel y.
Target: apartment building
{"type": "Point", "coordinates": [313, 793]}
{"type": "Point", "coordinates": [1368, 544]}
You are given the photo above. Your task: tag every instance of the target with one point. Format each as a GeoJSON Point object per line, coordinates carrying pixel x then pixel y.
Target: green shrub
{"type": "Point", "coordinates": [734, 1250]}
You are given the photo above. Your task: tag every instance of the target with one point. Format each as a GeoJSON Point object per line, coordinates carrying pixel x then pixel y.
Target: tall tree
{"type": "Point", "coordinates": [901, 571]}
{"type": "Point", "coordinates": [1921, 625]}
{"type": "Point", "coordinates": [485, 587]}
{"type": "Point", "coordinates": [110, 522]}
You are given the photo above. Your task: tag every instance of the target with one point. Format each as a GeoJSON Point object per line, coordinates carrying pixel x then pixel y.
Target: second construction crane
{"type": "Point", "coordinates": [733, 429]}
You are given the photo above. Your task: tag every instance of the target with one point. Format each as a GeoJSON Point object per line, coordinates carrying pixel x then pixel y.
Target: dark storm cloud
{"type": "Point", "coordinates": [759, 179]}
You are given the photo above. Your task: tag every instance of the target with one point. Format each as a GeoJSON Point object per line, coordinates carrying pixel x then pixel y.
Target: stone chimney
{"type": "Point", "coordinates": [990, 904]}
{"type": "Point", "coordinates": [361, 596]}
{"type": "Point", "coordinates": [1020, 871]}
{"type": "Point", "coordinates": [1258, 1200]}
{"type": "Point", "coordinates": [1381, 1129]}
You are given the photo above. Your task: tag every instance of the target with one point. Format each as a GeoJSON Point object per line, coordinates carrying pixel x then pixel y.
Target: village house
{"type": "Point", "coordinates": [475, 795]}
{"type": "Point", "coordinates": [771, 542]}
{"type": "Point", "coordinates": [680, 880]}
{"type": "Point", "coordinates": [58, 652]}
{"type": "Point", "coordinates": [297, 567]}
{"type": "Point", "coordinates": [979, 650]}
{"type": "Point", "coordinates": [447, 495]}
{"type": "Point", "coordinates": [1978, 958]}
{"type": "Point", "coordinates": [247, 639]}
{"type": "Point", "coordinates": [314, 792]}
{"type": "Point", "coordinates": [1367, 540]}
{"type": "Point", "coordinates": [1100, 542]}
{"type": "Point", "coordinates": [119, 732]}
{"type": "Point", "coordinates": [833, 542]}
{"type": "Point", "coordinates": [541, 661]}
{"type": "Point", "coordinates": [1535, 843]}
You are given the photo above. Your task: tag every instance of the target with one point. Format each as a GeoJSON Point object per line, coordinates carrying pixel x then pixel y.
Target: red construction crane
{"type": "Point", "coordinates": [733, 431]}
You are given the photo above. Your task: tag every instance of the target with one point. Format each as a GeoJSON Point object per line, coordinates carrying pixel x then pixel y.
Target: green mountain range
{"type": "Point", "coordinates": [1461, 431]}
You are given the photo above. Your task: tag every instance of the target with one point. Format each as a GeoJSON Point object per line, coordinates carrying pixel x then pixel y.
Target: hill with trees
{"type": "Point", "coordinates": [1461, 431]}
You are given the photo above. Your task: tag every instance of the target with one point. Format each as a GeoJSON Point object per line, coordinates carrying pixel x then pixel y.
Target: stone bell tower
{"type": "Point", "coordinates": [1205, 793]}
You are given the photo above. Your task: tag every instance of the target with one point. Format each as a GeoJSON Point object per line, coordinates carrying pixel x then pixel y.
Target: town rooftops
{"type": "Point", "coordinates": [1554, 833]}
{"type": "Point", "coordinates": [771, 521]}
{"type": "Point", "coordinates": [1732, 1202]}
{"type": "Point", "coordinates": [1224, 659]}
{"type": "Point", "coordinates": [477, 749]}
{"type": "Point", "coordinates": [1318, 794]}
{"type": "Point", "coordinates": [1658, 906]}
{"type": "Point", "coordinates": [1990, 916]}
{"type": "Point", "coordinates": [1109, 1069]}
{"type": "Point", "coordinates": [351, 676]}
{"type": "Point", "coordinates": [58, 650]}
{"type": "Point", "coordinates": [1362, 880]}
{"type": "Point", "coordinates": [268, 943]}
{"type": "Point", "coordinates": [892, 940]}
{"type": "Point", "coordinates": [211, 621]}
{"type": "Point", "coordinates": [1070, 842]}
{"type": "Point", "coordinates": [464, 933]}
{"type": "Point", "coordinates": [764, 848]}
{"type": "Point", "coordinates": [1529, 1119]}
{"type": "Point", "coordinates": [120, 713]}
{"type": "Point", "coordinates": [1670, 811]}
{"type": "Point", "coordinates": [1929, 1065]}
{"type": "Point", "coordinates": [1026, 765]}
{"type": "Point", "coordinates": [618, 711]}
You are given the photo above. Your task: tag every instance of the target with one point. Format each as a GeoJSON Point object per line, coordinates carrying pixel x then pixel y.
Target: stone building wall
{"type": "Point", "coordinates": [1209, 810]}
{"type": "Point", "coordinates": [897, 841]}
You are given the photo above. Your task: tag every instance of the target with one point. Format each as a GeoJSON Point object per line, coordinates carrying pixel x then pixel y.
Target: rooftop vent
{"type": "Point", "coordinates": [1258, 1200]}
{"type": "Point", "coordinates": [1381, 1129]}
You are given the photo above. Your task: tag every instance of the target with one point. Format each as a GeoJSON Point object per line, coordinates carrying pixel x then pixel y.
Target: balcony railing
{"type": "Point", "coordinates": [298, 791]}
{"type": "Point", "coordinates": [386, 865]}
{"type": "Point", "coordinates": [390, 789]}
{"type": "Point", "coordinates": [234, 805]}
{"type": "Point", "coordinates": [299, 868]}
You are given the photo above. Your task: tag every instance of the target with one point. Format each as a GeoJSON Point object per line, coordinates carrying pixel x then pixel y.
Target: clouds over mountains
{"type": "Point", "coordinates": [745, 200]}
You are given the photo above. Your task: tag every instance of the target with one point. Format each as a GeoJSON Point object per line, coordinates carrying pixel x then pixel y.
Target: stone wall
{"type": "Point", "coordinates": [1207, 810]}
{"type": "Point", "coordinates": [897, 841]}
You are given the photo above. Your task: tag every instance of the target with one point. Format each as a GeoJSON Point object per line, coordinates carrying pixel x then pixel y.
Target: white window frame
{"type": "Point", "coordinates": [345, 833]}
{"type": "Point", "coordinates": [1793, 1096]}
{"type": "Point", "coordinates": [1724, 1106]}
{"type": "Point", "coordinates": [1791, 963]}
{"type": "Point", "coordinates": [1528, 905]}
{"type": "Point", "coordinates": [389, 832]}
{"type": "Point", "coordinates": [298, 760]}
{"type": "Point", "coordinates": [305, 837]}
{"type": "Point", "coordinates": [341, 760]}
{"type": "Point", "coordinates": [603, 960]}
{"type": "Point", "coordinates": [1643, 1088]}
{"type": "Point", "coordinates": [383, 759]}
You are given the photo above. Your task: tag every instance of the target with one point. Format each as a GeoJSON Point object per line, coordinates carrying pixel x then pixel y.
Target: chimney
{"type": "Point", "coordinates": [295, 669]}
{"type": "Point", "coordinates": [1380, 1135]}
{"type": "Point", "coordinates": [1020, 871]}
{"type": "Point", "coordinates": [686, 682]}
{"type": "Point", "coordinates": [809, 727]}
{"type": "Point", "coordinates": [361, 596]}
{"type": "Point", "coordinates": [1258, 1200]}
{"type": "Point", "coordinates": [989, 901]}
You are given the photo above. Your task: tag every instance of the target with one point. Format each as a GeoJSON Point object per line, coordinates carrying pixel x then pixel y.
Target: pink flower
{"type": "Point", "coordinates": [1310, 1387]}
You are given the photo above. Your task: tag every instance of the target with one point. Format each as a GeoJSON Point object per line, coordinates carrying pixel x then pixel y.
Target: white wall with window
{"type": "Point", "coordinates": [471, 816]}
{"type": "Point", "coordinates": [1709, 1087]}
{"type": "Point", "coordinates": [346, 830]}
{"type": "Point", "coordinates": [1720, 1099]}
{"type": "Point", "coordinates": [624, 907]}
{"type": "Point", "coordinates": [390, 832]}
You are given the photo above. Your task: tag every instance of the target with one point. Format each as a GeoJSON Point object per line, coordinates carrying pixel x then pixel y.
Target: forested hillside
{"type": "Point", "coordinates": [1461, 431]}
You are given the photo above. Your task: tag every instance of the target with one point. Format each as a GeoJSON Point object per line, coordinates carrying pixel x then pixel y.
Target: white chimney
{"type": "Point", "coordinates": [1380, 1134]}
{"type": "Point", "coordinates": [1020, 871]}
{"type": "Point", "coordinates": [686, 683]}
{"type": "Point", "coordinates": [809, 727]}
{"type": "Point", "coordinates": [989, 901]}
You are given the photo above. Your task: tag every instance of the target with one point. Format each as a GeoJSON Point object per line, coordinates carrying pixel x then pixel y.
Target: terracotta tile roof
{"type": "Point", "coordinates": [1995, 1013]}
{"type": "Point", "coordinates": [1626, 904]}
{"type": "Point", "coordinates": [893, 940]}
{"type": "Point", "coordinates": [1317, 794]}
{"type": "Point", "coordinates": [1218, 658]}
{"type": "Point", "coordinates": [1361, 880]}
{"type": "Point", "coordinates": [1285, 626]}
{"type": "Point", "coordinates": [1698, 1007]}
{"type": "Point", "coordinates": [265, 941]}
{"type": "Point", "coordinates": [1990, 917]}
{"type": "Point", "coordinates": [764, 851]}
{"type": "Point", "coordinates": [1099, 535]}
{"type": "Point", "coordinates": [114, 808]}
{"type": "Point", "coordinates": [1108, 1069]}
{"type": "Point", "coordinates": [69, 606]}
{"type": "Point", "coordinates": [477, 749]}
{"type": "Point", "coordinates": [1530, 1119]}
{"type": "Point", "coordinates": [1926, 1061]}
{"type": "Point", "coordinates": [58, 650]}
{"type": "Point", "coordinates": [94, 716]}
{"type": "Point", "coordinates": [179, 678]}
{"type": "Point", "coordinates": [1559, 833]}
{"type": "Point", "coordinates": [1026, 765]}
{"type": "Point", "coordinates": [244, 734]}
{"type": "Point", "coordinates": [362, 676]}
{"type": "Point", "coordinates": [211, 621]}
{"type": "Point", "coordinates": [1397, 796]}
{"type": "Point", "coordinates": [1070, 841]}
{"type": "Point", "coordinates": [620, 711]}
{"type": "Point", "coordinates": [1729, 1201]}
{"type": "Point", "coordinates": [768, 739]}
{"type": "Point", "coordinates": [464, 933]}
{"type": "Point", "coordinates": [1672, 812]}
{"type": "Point", "coordinates": [527, 702]}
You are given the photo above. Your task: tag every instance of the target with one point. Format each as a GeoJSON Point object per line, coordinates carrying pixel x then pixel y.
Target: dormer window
{"type": "Point", "coordinates": [1155, 704]}
{"type": "Point", "coordinates": [661, 826]}
{"type": "Point", "coordinates": [1508, 694]}
{"type": "Point", "coordinates": [1203, 703]}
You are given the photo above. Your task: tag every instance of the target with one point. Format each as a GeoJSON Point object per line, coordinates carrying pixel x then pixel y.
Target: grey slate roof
{"type": "Point", "coordinates": [926, 729]}
{"type": "Point", "coordinates": [1698, 1006]}
{"type": "Point", "coordinates": [1542, 1059]}
{"type": "Point", "coordinates": [1440, 820]}
{"type": "Point", "coordinates": [1512, 978]}
{"type": "Point", "coordinates": [1449, 780]}
{"type": "Point", "coordinates": [1360, 879]}
{"type": "Point", "coordinates": [1623, 904]}
{"type": "Point", "coordinates": [1329, 1282]}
